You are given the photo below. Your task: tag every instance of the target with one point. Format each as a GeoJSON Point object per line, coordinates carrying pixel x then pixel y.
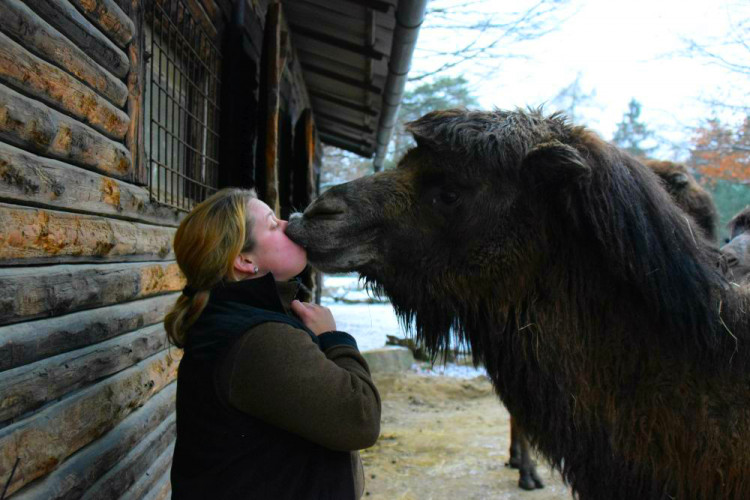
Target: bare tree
{"type": "Point", "coordinates": [484, 37]}
{"type": "Point", "coordinates": [342, 166]}
{"type": "Point", "coordinates": [732, 53]}
{"type": "Point", "coordinates": [572, 99]}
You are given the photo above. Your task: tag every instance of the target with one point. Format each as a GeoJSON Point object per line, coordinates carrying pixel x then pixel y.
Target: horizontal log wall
{"type": "Point", "coordinates": [28, 293]}
{"type": "Point", "coordinates": [84, 468]}
{"type": "Point", "coordinates": [32, 125]}
{"type": "Point", "coordinates": [109, 18]}
{"type": "Point", "coordinates": [50, 436]}
{"type": "Point", "coordinates": [87, 272]}
{"type": "Point", "coordinates": [30, 386]}
{"type": "Point", "coordinates": [70, 22]}
{"type": "Point", "coordinates": [19, 68]}
{"type": "Point", "coordinates": [25, 343]}
{"type": "Point", "coordinates": [161, 490]}
{"type": "Point", "coordinates": [29, 179]}
{"type": "Point", "coordinates": [26, 28]}
{"type": "Point", "coordinates": [38, 236]}
{"type": "Point", "coordinates": [153, 480]}
{"type": "Point", "coordinates": [136, 464]}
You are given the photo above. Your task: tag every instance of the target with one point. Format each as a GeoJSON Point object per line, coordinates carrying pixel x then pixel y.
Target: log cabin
{"type": "Point", "coordinates": [116, 118]}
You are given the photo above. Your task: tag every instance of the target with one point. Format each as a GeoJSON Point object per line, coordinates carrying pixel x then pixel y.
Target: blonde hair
{"type": "Point", "coordinates": [205, 245]}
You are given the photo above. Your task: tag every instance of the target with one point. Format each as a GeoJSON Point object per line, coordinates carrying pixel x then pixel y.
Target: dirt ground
{"type": "Point", "coordinates": [445, 438]}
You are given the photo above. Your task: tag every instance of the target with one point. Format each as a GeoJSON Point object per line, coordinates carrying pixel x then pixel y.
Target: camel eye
{"type": "Point", "coordinates": [447, 197]}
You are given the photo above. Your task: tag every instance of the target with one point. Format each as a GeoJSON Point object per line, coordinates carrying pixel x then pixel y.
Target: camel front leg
{"type": "Point", "coordinates": [520, 458]}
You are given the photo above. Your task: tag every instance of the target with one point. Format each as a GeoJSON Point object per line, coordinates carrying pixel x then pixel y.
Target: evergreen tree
{"type": "Point", "coordinates": [631, 133]}
{"type": "Point", "coordinates": [441, 93]}
{"type": "Point", "coordinates": [572, 99]}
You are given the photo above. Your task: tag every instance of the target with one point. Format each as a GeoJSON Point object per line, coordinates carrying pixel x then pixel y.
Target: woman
{"type": "Point", "coordinates": [272, 401]}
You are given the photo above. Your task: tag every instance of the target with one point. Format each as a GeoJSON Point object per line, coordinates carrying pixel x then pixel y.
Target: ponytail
{"type": "Point", "coordinates": [205, 245]}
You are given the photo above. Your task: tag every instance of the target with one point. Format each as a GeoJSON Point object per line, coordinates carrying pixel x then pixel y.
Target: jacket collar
{"type": "Point", "coordinates": [264, 292]}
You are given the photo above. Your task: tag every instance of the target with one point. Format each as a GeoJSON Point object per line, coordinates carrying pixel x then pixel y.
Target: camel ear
{"type": "Point", "coordinates": [436, 127]}
{"type": "Point", "coordinates": [555, 163]}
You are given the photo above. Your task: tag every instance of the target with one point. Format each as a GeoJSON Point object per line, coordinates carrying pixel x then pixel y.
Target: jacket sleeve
{"type": "Point", "coordinates": [275, 372]}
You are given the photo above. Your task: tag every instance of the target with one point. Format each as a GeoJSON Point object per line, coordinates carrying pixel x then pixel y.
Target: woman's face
{"type": "Point", "coordinates": [273, 251]}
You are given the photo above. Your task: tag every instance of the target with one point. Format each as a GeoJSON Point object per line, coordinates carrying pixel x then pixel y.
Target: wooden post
{"type": "Point", "coordinates": [134, 139]}
{"type": "Point", "coordinates": [303, 180]}
{"type": "Point", "coordinates": [273, 75]}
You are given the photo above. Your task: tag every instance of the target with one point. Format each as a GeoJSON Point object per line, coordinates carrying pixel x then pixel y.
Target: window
{"type": "Point", "coordinates": [181, 106]}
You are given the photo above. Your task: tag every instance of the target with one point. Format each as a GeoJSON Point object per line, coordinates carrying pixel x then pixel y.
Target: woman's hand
{"type": "Point", "coordinates": [317, 318]}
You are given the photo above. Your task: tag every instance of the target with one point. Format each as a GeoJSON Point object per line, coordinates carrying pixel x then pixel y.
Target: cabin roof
{"type": "Point", "coordinates": [345, 49]}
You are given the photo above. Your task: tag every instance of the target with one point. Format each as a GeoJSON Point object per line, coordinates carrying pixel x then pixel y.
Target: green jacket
{"type": "Point", "coordinates": [322, 392]}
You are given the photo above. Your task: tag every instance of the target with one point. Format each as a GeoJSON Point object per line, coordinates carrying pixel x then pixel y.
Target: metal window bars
{"type": "Point", "coordinates": [181, 106]}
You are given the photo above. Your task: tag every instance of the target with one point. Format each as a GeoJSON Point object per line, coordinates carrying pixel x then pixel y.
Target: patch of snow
{"type": "Point", "coordinates": [449, 370]}
{"type": "Point", "coordinates": [370, 324]}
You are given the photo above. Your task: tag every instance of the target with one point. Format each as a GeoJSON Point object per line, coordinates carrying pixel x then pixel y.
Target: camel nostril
{"type": "Point", "coordinates": [680, 180]}
{"type": "Point", "coordinates": [731, 260]}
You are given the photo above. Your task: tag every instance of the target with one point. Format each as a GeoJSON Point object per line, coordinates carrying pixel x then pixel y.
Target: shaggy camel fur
{"type": "Point", "coordinates": [685, 191]}
{"type": "Point", "coordinates": [601, 318]}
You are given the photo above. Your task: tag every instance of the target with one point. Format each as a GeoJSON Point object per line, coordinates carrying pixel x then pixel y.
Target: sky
{"type": "Point", "coordinates": [621, 50]}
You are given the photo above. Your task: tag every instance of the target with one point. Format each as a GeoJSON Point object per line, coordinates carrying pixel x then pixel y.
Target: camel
{"type": "Point", "coordinates": [603, 321]}
{"type": "Point", "coordinates": [688, 194]}
{"type": "Point", "coordinates": [736, 252]}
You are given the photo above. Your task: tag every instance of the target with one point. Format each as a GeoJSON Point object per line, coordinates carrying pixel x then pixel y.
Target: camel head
{"type": "Point", "coordinates": [688, 194]}
{"type": "Point", "coordinates": [493, 210]}
{"type": "Point", "coordinates": [457, 207]}
{"type": "Point", "coordinates": [736, 253]}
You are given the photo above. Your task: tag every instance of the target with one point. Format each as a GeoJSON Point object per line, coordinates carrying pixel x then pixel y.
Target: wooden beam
{"type": "Point", "coordinates": [26, 293]}
{"type": "Point", "coordinates": [137, 463]}
{"type": "Point", "coordinates": [309, 134]}
{"type": "Point", "coordinates": [71, 23]}
{"type": "Point", "coordinates": [38, 236]}
{"type": "Point", "coordinates": [28, 179]}
{"type": "Point", "coordinates": [28, 387]}
{"type": "Point", "coordinates": [29, 30]}
{"type": "Point", "coordinates": [342, 102]}
{"type": "Point", "coordinates": [273, 84]}
{"type": "Point", "coordinates": [342, 144]}
{"type": "Point", "coordinates": [347, 80]}
{"type": "Point", "coordinates": [109, 18]}
{"type": "Point", "coordinates": [365, 50]}
{"type": "Point", "coordinates": [136, 80]}
{"type": "Point", "coordinates": [31, 125]}
{"type": "Point", "coordinates": [79, 472]}
{"type": "Point", "coordinates": [344, 137]}
{"type": "Point", "coordinates": [340, 121]}
{"type": "Point", "coordinates": [303, 181]}
{"type": "Point", "coordinates": [378, 5]}
{"type": "Point", "coordinates": [21, 69]}
{"type": "Point", "coordinates": [50, 436]}
{"type": "Point", "coordinates": [25, 343]}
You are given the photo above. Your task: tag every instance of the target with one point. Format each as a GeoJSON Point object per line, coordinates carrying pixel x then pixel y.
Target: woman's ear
{"type": "Point", "coordinates": [244, 264]}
